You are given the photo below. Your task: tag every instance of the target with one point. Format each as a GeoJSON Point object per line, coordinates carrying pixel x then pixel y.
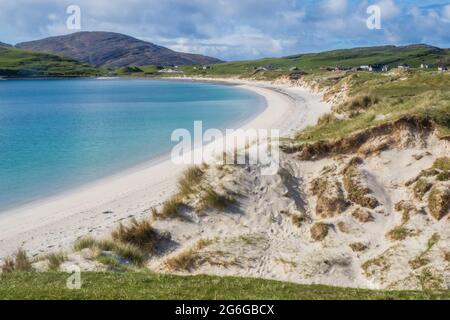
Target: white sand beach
{"type": "Point", "coordinates": [94, 209]}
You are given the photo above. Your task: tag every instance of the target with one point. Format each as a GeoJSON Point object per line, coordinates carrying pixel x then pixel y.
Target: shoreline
{"type": "Point", "coordinates": [151, 161]}
{"type": "Point", "coordinates": [55, 223]}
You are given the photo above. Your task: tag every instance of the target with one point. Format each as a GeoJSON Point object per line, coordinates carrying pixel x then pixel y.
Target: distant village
{"type": "Point", "coordinates": [369, 68]}
{"type": "Point", "coordinates": [174, 69]}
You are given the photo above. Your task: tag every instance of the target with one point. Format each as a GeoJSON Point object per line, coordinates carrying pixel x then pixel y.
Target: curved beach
{"type": "Point", "coordinates": [95, 208]}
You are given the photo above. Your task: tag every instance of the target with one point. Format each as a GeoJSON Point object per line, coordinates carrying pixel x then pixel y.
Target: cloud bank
{"type": "Point", "coordinates": [236, 29]}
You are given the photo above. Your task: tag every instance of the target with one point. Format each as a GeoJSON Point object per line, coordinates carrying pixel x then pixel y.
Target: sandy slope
{"type": "Point", "coordinates": [94, 209]}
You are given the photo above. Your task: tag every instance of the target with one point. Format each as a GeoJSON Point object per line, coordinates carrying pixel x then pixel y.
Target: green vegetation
{"type": "Point", "coordinates": [213, 200]}
{"type": "Point", "coordinates": [146, 285]}
{"type": "Point", "coordinates": [16, 63]}
{"type": "Point", "coordinates": [127, 251]}
{"type": "Point", "coordinates": [416, 94]}
{"type": "Point", "coordinates": [55, 260]}
{"type": "Point", "coordinates": [138, 233]}
{"type": "Point", "coordinates": [399, 233]}
{"type": "Point", "coordinates": [311, 63]}
{"type": "Point", "coordinates": [18, 262]}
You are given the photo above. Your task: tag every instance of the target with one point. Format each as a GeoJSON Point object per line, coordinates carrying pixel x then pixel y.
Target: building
{"type": "Point", "coordinates": [442, 68]}
{"type": "Point", "coordinates": [375, 68]}
{"type": "Point", "coordinates": [364, 68]}
{"type": "Point", "coordinates": [264, 68]}
{"type": "Point", "coordinates": [403, 66]}
{"type": "Point", "coordinates": [385, 68]}
{"type": "Point", "coordinates": [169, 70]}
{"type": "Point", "coordinates": [342, 68]}
{"type": "Point", "coordinates": [425, 66]}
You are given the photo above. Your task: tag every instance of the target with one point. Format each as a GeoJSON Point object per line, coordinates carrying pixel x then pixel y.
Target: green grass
{"type": "Point", "coordinates": [129, 251]}
{"type": "Point", "coordinates": [421, 94]}
{"type": "Point", "coordinates": [20, 63]}
{"type": "Point", "coordinates": [313, 62]}
{"type": "Point", "coordinates": [146, 285]}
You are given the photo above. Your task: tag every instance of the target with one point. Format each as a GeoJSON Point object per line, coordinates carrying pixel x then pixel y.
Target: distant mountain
{"type": "Point", "coordinates": [4, 44]}
{"type": "Point", "coordinates": [113, 50]}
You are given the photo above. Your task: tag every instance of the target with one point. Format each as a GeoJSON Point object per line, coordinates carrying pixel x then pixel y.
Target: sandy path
{"type": "Point", "coordinates": [54, 223]}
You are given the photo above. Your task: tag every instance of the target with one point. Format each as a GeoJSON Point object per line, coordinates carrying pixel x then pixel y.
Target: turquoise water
{"type": "Point", "coordinates": [58, 134]}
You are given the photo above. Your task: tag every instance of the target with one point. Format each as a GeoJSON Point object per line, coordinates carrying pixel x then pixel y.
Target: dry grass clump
{"type": "Point", "coordinates": [297, 220]}
{"type": "Point", "coordinates": [361, 102]}
{"type": "Point", "coordinates": [343, 227]}
{"type": "Point", "coordinates": [356, 190]}
{"type": "Point", "coordinates": [130, 252]}
{"type": "Point", "coordinates": [213, 200]}
{"type": "Point", "coordinates": [421, 260]}
{"type": "Point", "coordinates": [447, 256]}
{"type": "Point", "coordinates": [439, 201]}
{"type": "Point", "coordinates": [406, 208]}
{"type": "Point", "coordinates": [18, 262]}
{"type": "Point", "coordinates": [330, 197]}
{"type": "Point", "coordinates": [358, 246]}
{"type": "Point", "coordinates": [139, 233]}
{"type": "Point", "coordinates": [429, 280]}
{"type": "Point", "coordinates": [189, 180]}
{"type": "Point", "coordinates": [418, 262]}
{"type": "Point", "coordinates": [399, 233]}
{"type": "Point", "coordinates": [421, 187]}
{"type": "Point", "coordinates": [127, 251]}
{"type": "Point", "coordinates": [188, 259]}
{"type": "Point", "coordinates": [442, 164]}
{"type": "Point", "coordinates": [327, 118]}
{"type": "Point", "coordinates": [170, 207]}
{"type": "Point", "coordinates": [440, 171]}
{"type": "Point", "coordinates": [55, 259]}
{"type": "Point", "coordinates": [375, 266]}
{"type": "Point", "coordinates": [84, 243]}
{"type": "Point", "coordinates": [319, 231]}
{"type": "Point", "coordinates": [362, 215]}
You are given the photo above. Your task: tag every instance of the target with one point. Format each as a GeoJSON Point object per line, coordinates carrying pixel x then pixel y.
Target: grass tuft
{"type": "Point", "coordinates": [84, 243]}
{"type": "Point", "coordinates": [189, 180]}
{"type": "Point", "coordinates": [54, 260]}
{"type": "Point", "coordinates": [139, 233]}
{"type": "Point", "coordinates": [18, 262]}
{"type": "Point", "coordinates": [213, 200]}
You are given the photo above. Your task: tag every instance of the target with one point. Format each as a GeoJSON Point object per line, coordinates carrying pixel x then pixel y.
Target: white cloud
{"type": "Point", "coordinates": [235, 29]}
{"type": "Point", "coordinates": [389, 9]}
{"type": "Point", "coordinates": [446, 12]}
{"type": "Point", "coordinates": [244, 41]}
{"type": "Point", "coordinates": [334, 6]}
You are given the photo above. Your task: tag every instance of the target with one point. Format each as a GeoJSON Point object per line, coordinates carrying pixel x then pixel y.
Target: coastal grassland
{"type": "Point", "coordinates": [423, 95]}
{"type": "Point", "coordinates": [16, 63]}
{"type": "Point", "coordinates": [385, 55]}
{"type": "Point", "coordinates": [311, 63]}
{"type": "Point", "coordinates": [147, 285]}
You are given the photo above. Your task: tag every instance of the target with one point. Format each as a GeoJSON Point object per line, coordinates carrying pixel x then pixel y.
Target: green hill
{"type": "Point", "coordinates": [20, 63]}
{"type": "Point", "coordinates": [413, 55]}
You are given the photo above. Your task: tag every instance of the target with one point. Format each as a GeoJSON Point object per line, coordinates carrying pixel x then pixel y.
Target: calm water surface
{"type": "Point", "coordinates": [58, 134]}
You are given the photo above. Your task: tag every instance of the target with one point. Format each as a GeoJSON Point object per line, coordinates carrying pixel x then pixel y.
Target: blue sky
{"type": "Point", "coordinates": [236, 29]}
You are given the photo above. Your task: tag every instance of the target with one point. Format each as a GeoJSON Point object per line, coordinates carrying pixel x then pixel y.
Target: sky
{"type": "Point", "coordinates": [237, 29]}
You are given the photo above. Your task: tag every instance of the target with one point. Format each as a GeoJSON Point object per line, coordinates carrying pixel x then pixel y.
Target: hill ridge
{"type": "Point", "coordinates": [111, 49]}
